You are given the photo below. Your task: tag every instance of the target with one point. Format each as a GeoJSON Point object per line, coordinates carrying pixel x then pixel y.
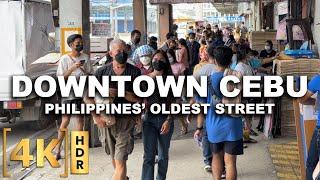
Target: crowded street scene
{"type": "Point", "coordinates": [163, 121]}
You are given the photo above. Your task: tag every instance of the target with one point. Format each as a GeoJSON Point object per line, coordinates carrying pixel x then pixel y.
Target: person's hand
{"type": "Point", "coordinates": [113, 92]}
{"type": "Point", "coordinates": [75, 66]}
{"type": "Point", "coordinates": [197, 134]}
{"type": "Point", "coordinates": [165, 127]}
{"type": "Point", "coordinates": [129, 96]}
{"type": "Point", "coordinates": [100, 123]}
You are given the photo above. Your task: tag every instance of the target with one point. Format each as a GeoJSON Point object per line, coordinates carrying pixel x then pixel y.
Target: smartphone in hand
{"type": "Point", "coordinates": [82, 62]}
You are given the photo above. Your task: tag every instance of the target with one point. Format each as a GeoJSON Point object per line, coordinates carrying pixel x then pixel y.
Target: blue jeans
{"type": "Point", "coordinates": [313, 154]}
{"type": "Point", "coordinates": [206, 151]}
{"type": "Point", "coordinates": [153, 141]}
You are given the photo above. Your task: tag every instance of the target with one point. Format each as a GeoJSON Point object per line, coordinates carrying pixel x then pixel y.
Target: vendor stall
{"type": "Point", "coordinates": [284, 119]}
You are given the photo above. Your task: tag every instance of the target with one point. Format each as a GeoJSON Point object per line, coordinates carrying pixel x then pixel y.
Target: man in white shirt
{"type": "Point", "coordinates": [76, 64]}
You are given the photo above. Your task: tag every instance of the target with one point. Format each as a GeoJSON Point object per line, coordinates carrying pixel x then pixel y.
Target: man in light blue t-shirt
{"type": "Point", "coordinates": [314, 149]}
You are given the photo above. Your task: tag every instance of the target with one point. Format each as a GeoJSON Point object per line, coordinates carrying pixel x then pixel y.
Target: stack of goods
{"type": "Point", "coordinates": [293, 67]}
{"type": "Point", "coordinates": [288, 126]}
{"type": "Point", "coordinates": [258, 39]}
{"type": "Point", "coordinates": [301, 67]}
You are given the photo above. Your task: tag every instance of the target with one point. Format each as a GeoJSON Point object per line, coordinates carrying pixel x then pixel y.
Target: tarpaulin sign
{"type": "Point", "coordinates": [65, 33]}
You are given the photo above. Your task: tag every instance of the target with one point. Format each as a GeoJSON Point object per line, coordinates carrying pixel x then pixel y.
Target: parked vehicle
{"type": "Point", "coordinates": [25, 28]}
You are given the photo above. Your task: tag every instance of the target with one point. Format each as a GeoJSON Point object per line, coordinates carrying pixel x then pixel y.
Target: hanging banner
{"type": "Point", "coordinates": [282, 7]}
{"type": "Point", "coordinates": [225, 19]}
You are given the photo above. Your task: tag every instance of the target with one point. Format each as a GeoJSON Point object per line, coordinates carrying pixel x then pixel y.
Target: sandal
{"type": "Point", "coordinates": [184, 130]}
{"type": "Point", "coordinates": [253, 133]}
{"type": "Point", "coordinates": [250, 140]}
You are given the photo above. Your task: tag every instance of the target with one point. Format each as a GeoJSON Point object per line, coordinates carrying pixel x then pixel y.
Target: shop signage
{"type": "Point", "coordinates": [228, 19]}
{"type": "Point", "coordinates": [101, 29]}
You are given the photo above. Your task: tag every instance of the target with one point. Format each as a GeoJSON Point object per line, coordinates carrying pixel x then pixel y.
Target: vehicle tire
{"type": "Point", "coordinates": [44, 120]}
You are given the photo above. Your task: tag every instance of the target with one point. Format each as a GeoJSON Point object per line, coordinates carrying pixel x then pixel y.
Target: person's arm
{"type": "Point", "coordinates": [95, 117]}
{"type": "Point", "coordinates": [313, 87]}
{"type": "Point", "coordinates": [62, 68]}
{"type": "Point", "coordinates": [200, 121]}
{"type": "Point", "coordinates": [165, 128]}
{"type": "Point", "coordinates": [306, 99]}
{"type": "Point", "coordinates": [68, 72]}
{"type": "Point", "coordinates": [268, 60]}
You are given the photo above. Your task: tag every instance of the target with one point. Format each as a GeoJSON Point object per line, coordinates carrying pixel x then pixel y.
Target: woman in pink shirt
{"type": "Point", "coordinates": [183, 53]}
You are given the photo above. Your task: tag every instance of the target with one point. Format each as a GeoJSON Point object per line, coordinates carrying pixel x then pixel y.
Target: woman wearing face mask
{"type": "Point", "coordinates": [76, 63]}
{"type": "Point", "coordinates": [157, 128]}
{"type": "Point", "coordinates": [145, 54]}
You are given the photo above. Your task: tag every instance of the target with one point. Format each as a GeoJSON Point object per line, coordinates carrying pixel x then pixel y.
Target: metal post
{"type": "Point", "coordinates": [116, 21]}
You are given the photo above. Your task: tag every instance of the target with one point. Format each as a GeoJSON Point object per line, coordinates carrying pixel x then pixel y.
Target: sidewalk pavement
{"type": "Point", "coordinates": [185, 162]}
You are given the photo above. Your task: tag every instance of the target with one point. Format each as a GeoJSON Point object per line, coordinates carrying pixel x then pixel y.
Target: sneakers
{"type": "Point", "coordinates": [223, 176]}
{"type": "Point", "coordinates": [207, 168]}
{"type": "Point", "coordinates": [156, 160]}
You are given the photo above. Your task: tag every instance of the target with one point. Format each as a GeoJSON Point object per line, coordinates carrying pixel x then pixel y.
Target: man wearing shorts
{"type": "Point", "coordinates": [117, 140]}
{"type": "Point", "coordinates": [224, 131]}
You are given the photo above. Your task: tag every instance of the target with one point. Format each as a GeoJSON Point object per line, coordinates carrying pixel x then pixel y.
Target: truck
{"type": "Point", "coordinates": [25, 29]}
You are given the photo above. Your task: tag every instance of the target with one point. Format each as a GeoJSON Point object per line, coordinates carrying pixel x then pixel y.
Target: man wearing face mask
{"type": "Point", "coordinates": [193, 47]}
{"type": "Point", "coordinates": [134, 42]}
{"type": "Point", "coordinates": [117, 140]}
{"type": "Point", "coordinates": [268, 54]}
{"type": "Point", "coordinates": [76, 64]}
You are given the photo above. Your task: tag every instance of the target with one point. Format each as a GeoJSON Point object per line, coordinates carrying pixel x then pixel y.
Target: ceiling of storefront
{"type": "Point", "coordinates": [226, 8]}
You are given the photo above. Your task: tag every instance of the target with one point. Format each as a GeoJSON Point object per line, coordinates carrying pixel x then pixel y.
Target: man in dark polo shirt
{"type": "Point", "coordinates": [117, 140]}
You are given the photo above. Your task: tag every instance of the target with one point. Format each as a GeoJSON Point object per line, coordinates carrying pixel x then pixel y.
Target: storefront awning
{"type": "Point", "coordinates": [195, 1]}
